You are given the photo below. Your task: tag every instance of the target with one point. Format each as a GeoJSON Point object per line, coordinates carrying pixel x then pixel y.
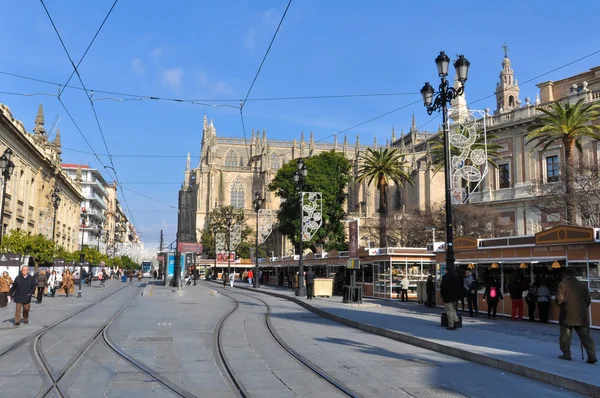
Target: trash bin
{"type": "Point", "coordinates": [124, 278]}
{"type": "Point", "coordinates": [352, 295]}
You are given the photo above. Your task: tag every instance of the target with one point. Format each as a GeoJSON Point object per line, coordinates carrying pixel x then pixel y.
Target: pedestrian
{"type": "Point", "coordinates": [461, 292]}
{"type": "Point", "coordinates": [260, 277]}
{"type": "Point", "coordinates": [67, 282]}
{"type": "Point", "coordinates": [449, 291]}
{"type": "Point", "coordinates": [52, 283]}
{"type": "Point", "coordinates": [573, 298]}
{"type": "Point", "coordinates": [309, 279]}
{"type": "Point", "coordinates": [543, 300]}
{"type": "Point", "coordinates": [430, 288]}
{"type": "Point", "coordinates": [404, 285]}
{"type": "Point", "coordinates": [139, 276]}
{"type": "Point", "coordinates": [471, 285]}
{"type": "Point", "coordinates": [22, 290]}
{"type": "Point", "coordinates": [280, 279]}
{"type": "Point", "coordinates": [531, 300]}
{"type": "Point", "coordinates": [516, 296]}
{"type": "Point", "coordinates": [41, 285]}
{"type": "Point", "coordinates": [493, 295]}
{"type": "Point", "coordinates": [250, 277]}
{"type": "Point", "coordinates": [5, 283]}
{"type": "Point", "coordinates": [130, 276]}
{"type": "Point", "coordinates": [231, 278]}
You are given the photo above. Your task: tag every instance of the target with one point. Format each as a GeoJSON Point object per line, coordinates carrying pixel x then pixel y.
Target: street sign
{"type": "Point", "coordinates": [353, 263]}
{"type": "Point", "coordinates": [186, 247]}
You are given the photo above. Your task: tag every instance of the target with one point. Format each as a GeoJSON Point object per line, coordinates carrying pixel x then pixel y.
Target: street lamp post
{"type": "Point", "coordinates": [300, 178]}
{"type": "Point", "coordinates": [55, 203]}
{"type": "Point", "coordinates": [6, 167]}
{"type": "Point", "coordinates": [229, 221]}
{"type": "Point", "coordinates": [81, 255]}
{"type": "Point", "coordinates": [214, 231]}
{"type": "Point", "coordinates": [445, 95]}
{"type": "Point", "coordinates": [257, 204]}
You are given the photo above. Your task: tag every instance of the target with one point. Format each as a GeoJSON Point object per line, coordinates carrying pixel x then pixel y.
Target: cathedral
{"type": "Point", "coordinates": [230, 170]}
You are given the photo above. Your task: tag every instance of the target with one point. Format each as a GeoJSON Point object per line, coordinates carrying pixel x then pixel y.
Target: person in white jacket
{"type": "Point", "coordinates": [231, 278]}
{"type": "Point", "coordinates": [52, 283]}
{"type": "Point", "coordinates": [405, 284]}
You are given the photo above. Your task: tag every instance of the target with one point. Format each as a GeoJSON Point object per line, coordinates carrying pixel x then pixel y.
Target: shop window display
{"type": "Point", "coordinates": [594, 278]}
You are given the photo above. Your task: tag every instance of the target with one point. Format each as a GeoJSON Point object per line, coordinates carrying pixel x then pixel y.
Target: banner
{"type": "Point", "coordinates": [312, 214]}
{"type": "Point", "coordinates": [170, 264]}
{"type": "Point", "coordinates": [353, 239]}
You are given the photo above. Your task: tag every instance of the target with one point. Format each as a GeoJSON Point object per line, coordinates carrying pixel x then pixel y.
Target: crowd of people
{"type": "Point", "coordinates": [45, 283]}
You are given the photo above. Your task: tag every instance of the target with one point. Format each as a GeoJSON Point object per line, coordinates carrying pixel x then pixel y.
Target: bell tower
{"type": "Point", "coordinates": [507, 89]}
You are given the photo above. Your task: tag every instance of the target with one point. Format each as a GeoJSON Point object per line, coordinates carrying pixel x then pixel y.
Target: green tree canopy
{"type": "Point", "coordinates": [218, 219]}
{"type": "Point", "coordinates": [328, 173]}
{"type": "Point", "coordinates": [568, 124]}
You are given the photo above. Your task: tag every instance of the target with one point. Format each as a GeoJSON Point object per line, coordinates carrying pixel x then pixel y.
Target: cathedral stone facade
{"type": "Point", "coordinates": [231, 170]}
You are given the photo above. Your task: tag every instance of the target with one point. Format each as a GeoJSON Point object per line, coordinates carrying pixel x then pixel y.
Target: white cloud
{"type": "Point", "coordinates": [157, 52]}
{"type": "Point", "coordinates": [173, 78]}
{"type": "Point", "coordinates": [271, 17]}
{"type": "Point", "coordinates": [221, 87]}
{"type": "Point", "coordinates": [250, 39]}
{"type": "Point", "coordinates": [138, 66]}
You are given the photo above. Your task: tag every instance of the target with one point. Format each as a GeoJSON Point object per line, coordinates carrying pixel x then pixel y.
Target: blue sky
{"type": "Point", "coordinates": [211, 50]}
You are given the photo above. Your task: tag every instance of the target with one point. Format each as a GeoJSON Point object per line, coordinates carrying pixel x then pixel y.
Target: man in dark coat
{"type": "Point", "coordinates": [22, 289]}
{"type": "Point", "coordinates": [309, 279]}
{"type": "Point", "coordinates": [41, 285]}
{"type": "Point", "coordinates": [449, 290]}
{"type": "Point", "coordinates": [573, 298]}
{"type": "Point", "coordinates": [430, 288]}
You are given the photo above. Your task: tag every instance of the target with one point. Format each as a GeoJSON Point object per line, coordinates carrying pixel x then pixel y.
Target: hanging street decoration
{"type": "Point", "coordinates": [236, 236]}
{"type": "Point", "coordinates": [266, 220]}
{"type": "Point", "coordinates": [220, 242]}
{"type": "Point", "coordinates": [312, 214]}
{"type": "Point", "coordinates": [470, 166]}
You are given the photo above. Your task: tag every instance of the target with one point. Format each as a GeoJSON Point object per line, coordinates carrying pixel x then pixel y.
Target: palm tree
{"type": "Point", "coordinates": [567, 123]}
{"type": "Point", "coordinates": [383, 165]}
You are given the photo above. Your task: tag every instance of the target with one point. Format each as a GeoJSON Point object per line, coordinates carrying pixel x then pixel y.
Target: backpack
{"type": "Point", "coordinates": [531, 294]}
{"type": "Point", "coordinates": [493, 293]}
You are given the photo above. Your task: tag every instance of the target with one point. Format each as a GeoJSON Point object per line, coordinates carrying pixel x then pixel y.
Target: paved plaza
{"type": "Point", "coordinates": [174, 333]}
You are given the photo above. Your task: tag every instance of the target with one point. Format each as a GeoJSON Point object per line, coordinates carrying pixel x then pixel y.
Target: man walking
{"type": "Point", "coordinates": [41, 285]}
{"type": "Point", "coordinates": [404, 284]}
{"type": "Point", "coordinates": [449, 290]}
{"type": "Point", "coordinates": [573, 298]}
{"type": "Point", "coordinates": [250, 277]}
{"type": "Point", "coordinates": [309, 278]}
{"type": "Point", "coordinates": [471, 286]}
{"type": "Point", "coordinates": [22, 289]}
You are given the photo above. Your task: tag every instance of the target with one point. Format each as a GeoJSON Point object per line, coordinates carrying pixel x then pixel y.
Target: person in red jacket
{"type": "Point", "coordinates": [250, 277]}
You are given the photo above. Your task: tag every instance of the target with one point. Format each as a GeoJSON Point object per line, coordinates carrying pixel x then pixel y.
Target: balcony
{"type": "Point", "coordinates": [97, 214]}
{"type": "Point", "coordinates": [95, 197]}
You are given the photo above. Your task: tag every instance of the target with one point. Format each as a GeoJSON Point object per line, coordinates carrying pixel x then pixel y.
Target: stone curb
{"type": "Point", "coordinates": [521, 370]}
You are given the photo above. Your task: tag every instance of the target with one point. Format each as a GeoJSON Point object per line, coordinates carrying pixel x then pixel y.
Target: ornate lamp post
{"type": "Point", "coordinates": [6, 167]}
{"type": "Point", "coordinates": [257, 204]}
{"type": "Point", "coordinates": [55, 203]}
{"type": "Point", "coordinates": [300, 178]}
{"type": "Point", "coordinates": [229, 221]}
{"type": "Point", "coordinates": [445, 95]}
{"type": "Point", "coordinates": [81, 255]}
{"type": "Point", "coordinates": [214, 231]}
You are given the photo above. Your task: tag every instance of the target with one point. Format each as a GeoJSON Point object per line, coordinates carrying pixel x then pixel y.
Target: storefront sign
{"type": "Point", "coordinates": [186, 247]}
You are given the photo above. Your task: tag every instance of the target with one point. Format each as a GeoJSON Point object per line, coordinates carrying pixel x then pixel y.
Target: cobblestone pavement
{"type": "Point", "coordinates": [530, 344]}
{"type": "Point", "coordinates": [172, 332]}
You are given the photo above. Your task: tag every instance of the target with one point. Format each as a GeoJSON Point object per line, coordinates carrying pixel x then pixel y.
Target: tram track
{"type": "Point", "coordinates": [52, 384]}
{"type": "Point", "coordinates": [227, 366]}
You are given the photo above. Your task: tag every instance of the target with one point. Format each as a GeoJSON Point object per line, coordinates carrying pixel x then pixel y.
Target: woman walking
{"type": "Point", "coordinates": [52, 283]}
{"type": "Point", "coordinates": [493, 295]}
{"type": "Point", "coordinates": [543, 300]}
{"type": "Point", "coordinates": [67, 283]}
{"type": "Point", "coordinates": [5, 283]}
{"type": "Point", "coordinates": [41, 285]}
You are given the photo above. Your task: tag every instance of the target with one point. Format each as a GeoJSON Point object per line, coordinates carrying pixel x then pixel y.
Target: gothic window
{"type": "Point", "coordinates": [511, 101]}
{"type": "Point", "coordinates": [237, 193]}
{"type": "Point", "coordinates": [275, 164]}
{"type": "Point", "coordinates": [231, 159]}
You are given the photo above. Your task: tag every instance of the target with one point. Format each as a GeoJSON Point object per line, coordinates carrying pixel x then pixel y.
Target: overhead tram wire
{"type": "Point", "coordinates": [242, 103]}
{"type": "Point", "coordinates": [75, 68]}
{"type": "Point", "coordinates": [76, 71]}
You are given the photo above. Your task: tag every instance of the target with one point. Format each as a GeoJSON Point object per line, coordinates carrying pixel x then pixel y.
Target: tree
{"type": "Point", "coordinates": [567, 123]}
{"type": "Point", "coordinates": [383, 165]}
{"type": "Point", "coordinates": [328, 173]}
{"type": "Point", "coordinates": [218, 218]}
{"type": "Point", "coordinates": [36, 246]}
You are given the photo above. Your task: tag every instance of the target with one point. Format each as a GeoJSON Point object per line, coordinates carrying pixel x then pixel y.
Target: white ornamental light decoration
{"type": "Point", "coordinates": [265, 224]}
{"type": "Point", "coordinates": [220, 242]}
{"type": "Point", "coordinates": [470, 166]}
{"type": "Point", "coordinates": [236, 236]}
{"type": "Point", "coordinates": [312, 214]}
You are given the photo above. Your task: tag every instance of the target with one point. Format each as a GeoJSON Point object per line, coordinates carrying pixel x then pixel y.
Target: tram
{"type": "Point", "coordinates": [146, 269]}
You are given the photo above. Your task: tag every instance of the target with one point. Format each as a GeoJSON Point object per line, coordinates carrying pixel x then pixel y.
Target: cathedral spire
{"type": "Point", "coordinates": [39, 129]}
{"type": "Point", "coordinates": [507, 89]}
{"type": "Point", "coordinates": [393, 134]}
{"type": "Point", "coordinates": [205, 122]}
{"type": "Point", "coordinates": [413, 125]}
{"type": "Point", "coordinates": [187, 163]}
{"type": "Point", "coordinates": [311, 144]}
{"type": "Point", "coordinates": [335, 141]}
{"type": "Point", "coordinates": [375, 142]}
{"type": "Point", "coordinates": [459, 111]}
{"type": "Point", "coordinates": [345, 145]}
